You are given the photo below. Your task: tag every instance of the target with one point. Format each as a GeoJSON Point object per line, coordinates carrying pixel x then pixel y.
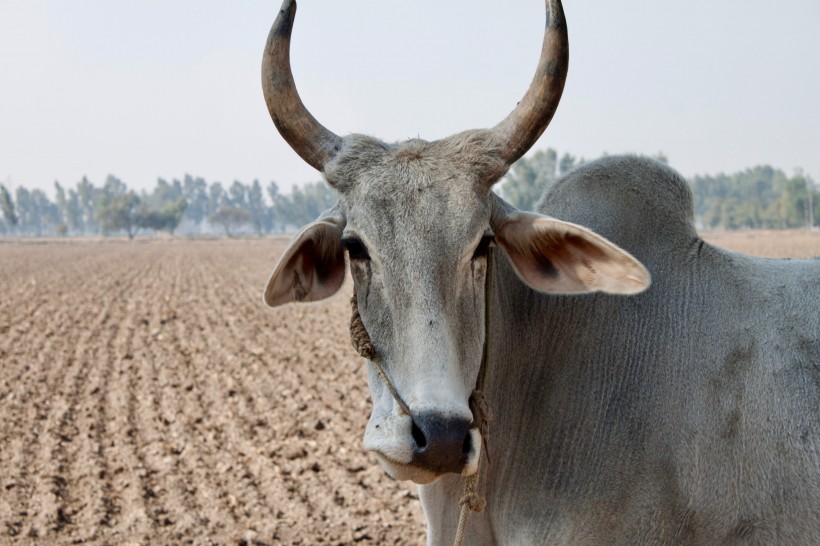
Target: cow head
{"type": "Point", "coordinates": [416, 220]}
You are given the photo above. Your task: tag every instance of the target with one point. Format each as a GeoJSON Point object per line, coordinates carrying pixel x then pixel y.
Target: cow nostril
{"type": "Point", "coordinates": [467, 446]}
{"type": "Point", "coordinates": [418, 436]}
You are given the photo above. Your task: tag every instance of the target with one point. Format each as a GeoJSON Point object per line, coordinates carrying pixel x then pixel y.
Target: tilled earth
{"type": "Point", "coordinates": [148, 397]}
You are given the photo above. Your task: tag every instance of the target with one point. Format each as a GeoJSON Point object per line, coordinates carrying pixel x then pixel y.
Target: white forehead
{"type": "Point", "coordinates": [417, 191]}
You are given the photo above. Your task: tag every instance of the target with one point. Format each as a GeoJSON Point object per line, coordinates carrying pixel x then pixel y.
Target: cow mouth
{"type": "Point", "coordinates": [420, 475]}
{"type": "Point", "coordinates": [406, 472]}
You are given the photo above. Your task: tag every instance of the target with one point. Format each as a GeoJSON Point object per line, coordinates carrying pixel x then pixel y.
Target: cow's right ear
{"type": "Point", "coordinates": [557, 257]}
{"type": "Point", "coordinates": [313, 266]}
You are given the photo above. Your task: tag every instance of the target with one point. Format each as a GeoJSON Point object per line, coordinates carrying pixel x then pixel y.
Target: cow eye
{"type": "Point", "coordinates": [483, 246]}
{"type": "Point", "coordinates": [355, 248]}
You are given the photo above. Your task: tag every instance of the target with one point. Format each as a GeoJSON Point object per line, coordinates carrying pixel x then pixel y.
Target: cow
{"type": "Point", "coordinates": [645, 387]}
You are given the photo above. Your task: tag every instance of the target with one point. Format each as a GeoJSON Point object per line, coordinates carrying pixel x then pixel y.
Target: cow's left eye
{"type": "Point", "coordinates": [355, 248]}
{"type": "Point", "coordinates": [483, 246]}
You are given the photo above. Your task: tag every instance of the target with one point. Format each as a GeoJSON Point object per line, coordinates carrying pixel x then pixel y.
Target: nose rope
{"type": "Point", "coordinates": [364, 346]}
{"type": "Point", "coordinates": [358, 333]}
{"type": "Point", "coordinates": [471, 501]}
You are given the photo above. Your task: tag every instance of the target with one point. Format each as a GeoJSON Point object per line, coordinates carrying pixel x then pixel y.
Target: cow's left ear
{"type": "Point", "coordinates": [558, 257]}
{"type": "Point", "coordinates": [313, 266]}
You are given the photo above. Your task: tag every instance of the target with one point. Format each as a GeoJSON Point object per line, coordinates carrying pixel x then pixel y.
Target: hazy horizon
{"type": "Point", "coordinates": [150, 89]}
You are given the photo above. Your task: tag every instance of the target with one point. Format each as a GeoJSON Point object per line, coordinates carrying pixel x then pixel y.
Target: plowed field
{"type": "Point", "coordinates": [148, 397]}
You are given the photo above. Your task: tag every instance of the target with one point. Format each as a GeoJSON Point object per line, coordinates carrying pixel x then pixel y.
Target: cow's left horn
{"type": "Point", "coordinates": [309, 138]}
{"type": "Point", "coordinates": [522, 127]}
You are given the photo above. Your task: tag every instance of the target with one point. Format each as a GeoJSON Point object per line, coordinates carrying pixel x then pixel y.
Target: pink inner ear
{"type": "Point", "coordinates": [311, 269]}
{"type": "Point", "coordinates": [302, 275]}
{"type": "Point", "coordinates": [324, 267]}
{"type": "Point", "coordinates": [559, 257]}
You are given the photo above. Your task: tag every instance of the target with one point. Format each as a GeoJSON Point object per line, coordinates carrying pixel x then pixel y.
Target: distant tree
{"type": "Point", "coordinates": [306, 203]}
{"type": "Point", "coordinates": [165, 193]}
{"type": "Point", "coordinates": [238, 195]}
{"type": "Point", "coordinates": [273, 191]}
{"type": "Point", "coordinates": [273, 211]}
{"type": "Point", "coordinates": [530, 177]}
{"type": "Point", "coordinates": [73, 214]}
{"type": "Point", "coordinates": [22, 207]}
{"type": "Point", "coordinates": [217, 198]}
{"type": "Point", "coordinates": [257, 208]}
{"type": "Point", "coordinates": [165, 218]}
{"type": "Point", "coordinates": [798, 200]}
{"type": "Point", "coordinates": [568, 163]}
{"type": "Point", "coordinates": [113, 186]}
{"type": "Point", "coordinates": [46, 215]}
{"type": "Point", "coordinates": [172, 214]}
{"type": "Point", "coordinates": [87, 196]}
{"type": "Point", "coordinates": [120, 211]}
{"type": "Point", "coordinates": [7, 205]}
{"type": "Point", "coordinates": [230, 217]}
{"type": "Point", "coordinates": [195, 192]}
{"type": "Point", "coordinates": [26, 214]}
{"type": "Point", "coordinates": [62, 203]}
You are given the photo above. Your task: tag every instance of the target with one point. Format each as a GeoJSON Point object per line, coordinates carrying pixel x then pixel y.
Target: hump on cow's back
{"type": "Point", "coordinates": [636, 202]}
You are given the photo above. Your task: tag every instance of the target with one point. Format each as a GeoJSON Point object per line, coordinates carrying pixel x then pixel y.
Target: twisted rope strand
{"type": "Point", "coordinates": [364, 346]}
{"type": "Point", "coordinates": [358, 333]}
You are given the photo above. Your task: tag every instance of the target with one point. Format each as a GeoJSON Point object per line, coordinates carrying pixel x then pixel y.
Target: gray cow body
{"type": "Point", "coordinates": [686, 412]}
{"type": "Point", "coordinates": [689, 414]}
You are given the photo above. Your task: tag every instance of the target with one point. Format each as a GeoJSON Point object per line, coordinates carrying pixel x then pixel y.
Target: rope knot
{"type": "Point", "coordinates": [470, 502]}
{"type": "Point", "coordinates": [481, 417]}
{"type": "Point", "coordinates": [473, 501]}
{"type": "Point", "coordinates": [358, 334]}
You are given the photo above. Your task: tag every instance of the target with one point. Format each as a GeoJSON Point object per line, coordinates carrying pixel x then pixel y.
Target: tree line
{"type": "Point", "coordinates": [758, 197]}
{"type": "Point", "coordinates": [190, 206]}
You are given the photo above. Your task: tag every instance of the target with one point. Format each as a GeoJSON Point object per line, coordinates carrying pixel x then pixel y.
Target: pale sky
{"type": "Point", "coordinates": [149, 88]}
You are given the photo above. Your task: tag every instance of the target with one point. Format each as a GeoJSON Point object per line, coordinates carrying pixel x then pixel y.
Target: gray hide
{"type": "Point", "coordinates": [689, 414]}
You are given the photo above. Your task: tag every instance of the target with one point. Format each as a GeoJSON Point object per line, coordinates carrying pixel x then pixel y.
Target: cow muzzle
{"type": "Point", "coordinates": [424, 447]}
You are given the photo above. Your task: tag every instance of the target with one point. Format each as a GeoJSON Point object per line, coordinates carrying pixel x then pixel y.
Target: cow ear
{"type": "Point", "coordinates": [563, 258]}
{"type": "Point", "coordinates": [313, 266]}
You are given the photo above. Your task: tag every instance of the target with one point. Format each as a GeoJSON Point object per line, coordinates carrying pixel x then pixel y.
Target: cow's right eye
{"type": "Point", "coordinates": [483, 246]}
{"type": "Point", "coordinates": [355, 248]}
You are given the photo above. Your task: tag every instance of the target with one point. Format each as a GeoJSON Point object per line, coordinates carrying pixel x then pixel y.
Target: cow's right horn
{"type": "Point", "coordinates": [309, 138]}
{"type": "Point", "coordinates": [522, 127]}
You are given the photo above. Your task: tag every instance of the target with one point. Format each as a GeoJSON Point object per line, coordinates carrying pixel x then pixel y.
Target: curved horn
{"type": "Point", "coordinates": [522, 127]}
{"type": "Point", "coordinates": [308, 138]}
